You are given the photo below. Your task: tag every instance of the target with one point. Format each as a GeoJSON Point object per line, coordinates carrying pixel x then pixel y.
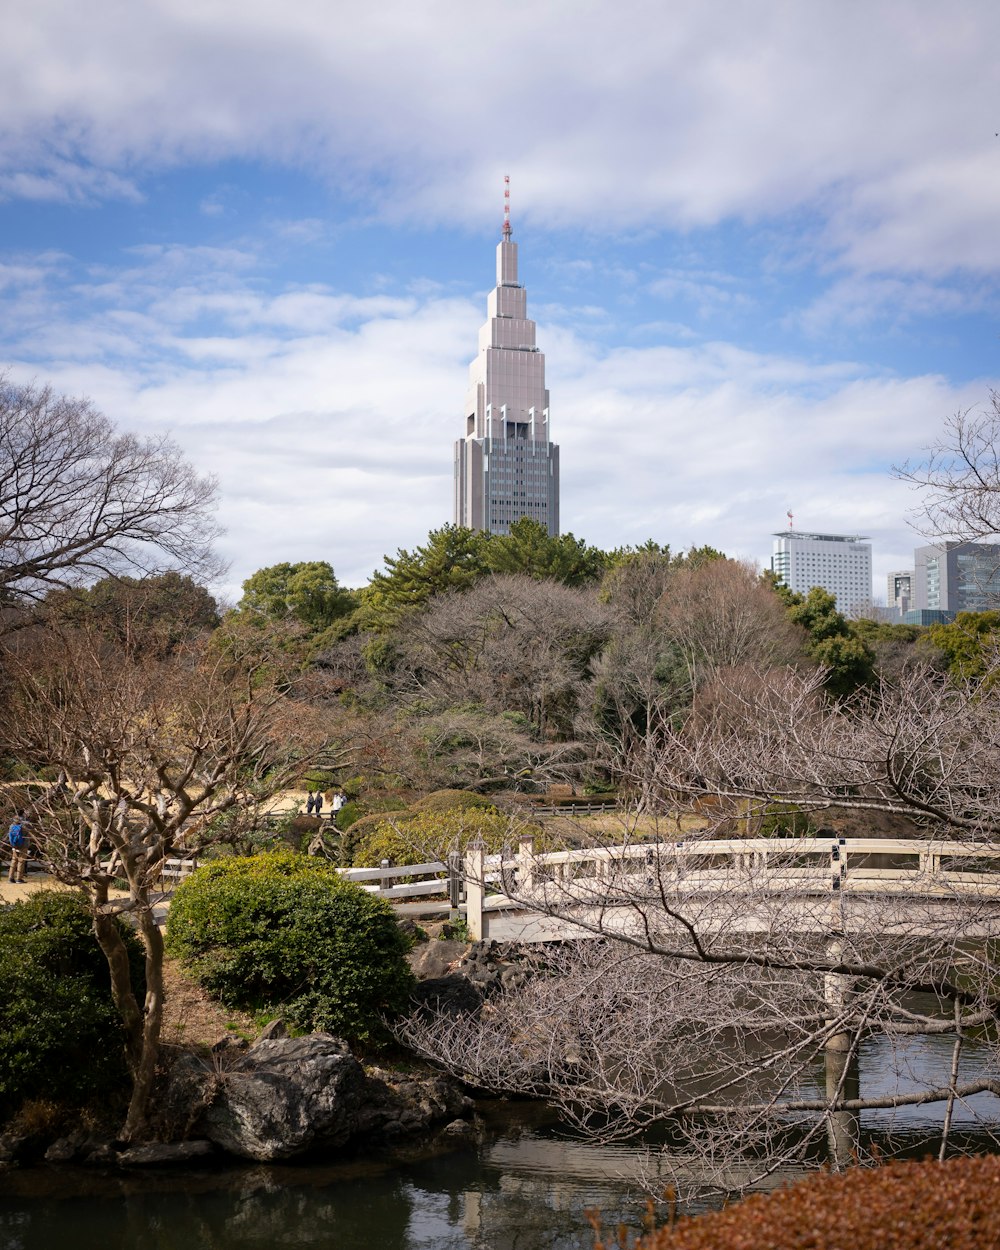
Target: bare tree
{"type": "Point", "coordinates": [79, 501]}
{"type": "Point", "coordinates": [733, 1005]}
{"type": "Point", "coordinates": [721, 616]}
{"type": "Point", "coordinates": [471, 749]}
{"type": "Point", "coordinates": [960, 479]}
{"type": "Point", "coordinates": [917, 746]}
{"type": "Point", "coordinates": [507, 644]}
{"type": "Point", "coordinates": [707, 619]}
{"type": "Point", "coordinates": [150, 752]}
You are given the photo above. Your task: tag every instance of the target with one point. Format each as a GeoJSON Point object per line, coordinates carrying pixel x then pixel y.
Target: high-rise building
{"type": "Point", "coordinates": [957, 577]}
{"type": "Point", "coordinates": [839, 563]}
{"type": "Point", "coordinates": [506, 467]}
{"type": "Point", "coordinates": [899, 590]}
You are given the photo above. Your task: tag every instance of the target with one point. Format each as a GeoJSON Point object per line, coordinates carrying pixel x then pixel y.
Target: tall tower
{"type": "Point", "coordinates": [505, 465]}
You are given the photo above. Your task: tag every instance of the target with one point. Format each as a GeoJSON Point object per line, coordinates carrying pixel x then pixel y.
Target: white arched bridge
{"type": "Point", "coordinates": [815, 884]}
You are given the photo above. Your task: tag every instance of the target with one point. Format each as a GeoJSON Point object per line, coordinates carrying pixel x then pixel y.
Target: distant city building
{"type": "Point", "coordinates": [899, 590]}
{"type": "Point", "coordinates": [506, 467]}
{"type": "Point", "coordinates": [927, 616]}
{"type": "Point", "coordinates": [957, 577]}
{"type": "Point", "coordinates": [839, 563]}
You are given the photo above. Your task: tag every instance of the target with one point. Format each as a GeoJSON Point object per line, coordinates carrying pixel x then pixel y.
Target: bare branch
{"type": "Point", "coordinates": [79, 501]}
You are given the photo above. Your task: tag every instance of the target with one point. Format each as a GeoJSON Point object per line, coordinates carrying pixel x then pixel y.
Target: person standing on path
{"type": "Point", "coordinates": [17, 836]}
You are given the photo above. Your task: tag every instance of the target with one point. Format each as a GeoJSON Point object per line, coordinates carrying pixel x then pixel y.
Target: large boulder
{"type": "Point", "coordinates": [280, 1098]}
{"type": "Point", "coordinates": [434, 959]}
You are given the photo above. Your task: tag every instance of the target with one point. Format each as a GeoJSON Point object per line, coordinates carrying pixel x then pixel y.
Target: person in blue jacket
{"type": "Point", "coordinates": [17, 836]}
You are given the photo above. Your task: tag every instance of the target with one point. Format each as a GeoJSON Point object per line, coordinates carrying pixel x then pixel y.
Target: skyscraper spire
{"type": "Point", "coordinates": [506, 207]}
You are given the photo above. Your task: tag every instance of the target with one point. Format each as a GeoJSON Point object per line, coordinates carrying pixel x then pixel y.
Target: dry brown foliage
{"type": "Point", "coordinates": [902, 1206]}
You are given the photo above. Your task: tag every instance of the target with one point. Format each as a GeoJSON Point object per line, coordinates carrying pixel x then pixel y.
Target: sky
{"type": "Point", "coordinates": [759, 237]}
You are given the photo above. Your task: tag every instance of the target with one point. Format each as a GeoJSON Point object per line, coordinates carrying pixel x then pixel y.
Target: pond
{"type": "Point", "coordinates": [524, 1184]}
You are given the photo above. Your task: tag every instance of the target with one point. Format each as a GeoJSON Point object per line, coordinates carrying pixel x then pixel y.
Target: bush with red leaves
{"type": "Point", "coordinates": [903, 1206]}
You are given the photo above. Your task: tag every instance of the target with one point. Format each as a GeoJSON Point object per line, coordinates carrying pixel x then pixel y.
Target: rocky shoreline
{"type": "Point", "coordinates": [283, 1097]}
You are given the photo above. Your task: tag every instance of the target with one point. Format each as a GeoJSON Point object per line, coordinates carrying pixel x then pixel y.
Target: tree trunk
{"type": "Point", "coordinates": [145, 1071]}
{"type": "Point", "coordinates": [122, 992]}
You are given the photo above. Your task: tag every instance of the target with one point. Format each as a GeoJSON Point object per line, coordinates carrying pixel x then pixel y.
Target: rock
{"type": "Point", "coordinates": [275, 1028]}
{"type": "Point", "coordinates": [395, 1107]}
{"type": "Point", "coordinates": [457, 1128]}
{"type": "Point", "coordinates": [230, 1042]}
{"type": "Point", "coordinates": [155, 1154]}
{"type": "Point", "coordinates": [433, 959]}
{"type": "Point", "coordinates": [99, 1155]}
{"type": "Point", "coordinates": [80, 1147]}
{"type": "Point", "coordinates": [65, 1149]}
{"type": "Point", "coordinates": [454, 994]}
{"type": "Point", "coordinates": [282, 1097]}
{"type": "Point", "coordinates": [12, 1146]}
{"type": "Point", "coordinates": [416, 933]}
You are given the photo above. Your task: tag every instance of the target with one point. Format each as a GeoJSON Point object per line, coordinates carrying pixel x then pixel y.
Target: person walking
{"type": "Point", "coordinates": [17, 836]}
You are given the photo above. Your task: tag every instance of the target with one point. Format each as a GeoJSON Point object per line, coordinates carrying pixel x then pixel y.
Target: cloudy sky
{"type": "Point", "coordinates": [760, 239]}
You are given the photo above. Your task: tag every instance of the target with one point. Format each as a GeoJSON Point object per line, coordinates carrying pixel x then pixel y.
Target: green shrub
{"type": "Point", "coordinates": [60, 1036]}
{"type": "Point", "coordinates": [453, 801]}
{"type": "Point", "coordinates": [430, 834]}
{"type": "Point", "coordinates": [281, 931]}
{"type": "Point", "coordinates": [785, 822]}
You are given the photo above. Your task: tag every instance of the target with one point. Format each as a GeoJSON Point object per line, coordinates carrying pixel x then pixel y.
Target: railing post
{"type": "Point", "coordinates": [383, 864]}
{"type": "Point", "coordinates": [838, 863]}
{"type": "Point", "coordinates": [475, 888]}
{"type": "Point", "coordinates": [526, 863]}
{"type": "Point", "coordinates": [455, 882]}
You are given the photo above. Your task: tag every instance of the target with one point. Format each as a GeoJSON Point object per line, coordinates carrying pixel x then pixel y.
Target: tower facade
{"type": "Point", "coordinates": [506, 466]}
{"type": "Point", "coordinates": [957, 577]}
{"type": "Point", "coordinates": [839, 563]}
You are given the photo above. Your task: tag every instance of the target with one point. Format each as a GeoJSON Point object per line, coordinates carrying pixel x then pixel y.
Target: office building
{"type": "Point", "coordinates": [506, 466]}
{"type": "Point", "coordinates": [957, 577]}
{"type": "Point", "coordinates": [899, 590]}
{"type": "Point", "coordinates": [839, 563]}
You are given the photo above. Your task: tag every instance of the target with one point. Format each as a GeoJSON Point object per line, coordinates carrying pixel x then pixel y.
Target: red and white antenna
{"type": "Point", "coordinates": [506, 206]}
{"type": "Point", "coordinates": [791, 520]}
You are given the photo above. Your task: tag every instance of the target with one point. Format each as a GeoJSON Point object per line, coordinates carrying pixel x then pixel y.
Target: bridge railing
{"type": "Point", "coordinates": [432, 879]}
{"type": "Point", "coordinates": [810, 865]}
{"type": "Point", "coordinates": [404, 881]}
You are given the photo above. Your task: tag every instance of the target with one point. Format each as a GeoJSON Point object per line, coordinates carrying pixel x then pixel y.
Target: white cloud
{"type": "Point", "coordinates": [329, 418]}
{"type": "Point", "coordinates": [878, 119]}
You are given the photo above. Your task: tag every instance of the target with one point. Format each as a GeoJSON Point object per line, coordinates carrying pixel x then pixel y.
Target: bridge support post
{"type": "Point", "coordinates": [475, 889]}
{"type": "Point", "coordinates": [843, 1078]}
{"type": "Point", "coordinates": [525, 863]}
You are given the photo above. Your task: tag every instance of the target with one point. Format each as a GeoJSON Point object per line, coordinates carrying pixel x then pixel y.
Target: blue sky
{"type": "Point", "coordinates": [759, 238]}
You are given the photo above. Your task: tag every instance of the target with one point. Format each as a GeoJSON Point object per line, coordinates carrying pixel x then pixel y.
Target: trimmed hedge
{"type": "Point", "coordinates": [283, 932]}
{"type": "Point", "coordinates": [902, 1206]}
{"type": "Point", "coordinates": [61, 1037]}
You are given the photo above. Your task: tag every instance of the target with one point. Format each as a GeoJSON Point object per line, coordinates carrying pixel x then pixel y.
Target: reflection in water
{"type": "Point", "coordinates": [524, 1186]}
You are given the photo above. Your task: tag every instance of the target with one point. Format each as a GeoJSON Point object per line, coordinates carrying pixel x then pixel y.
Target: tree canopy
{"type": "Point", "coordinates": [970, 643]}
{"type": "Point", "coordinates": [164, 610]}
{"type": "Point", "coordinates": [455, 558]}
{"type": "Point", "coordinates": [307, 592]}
